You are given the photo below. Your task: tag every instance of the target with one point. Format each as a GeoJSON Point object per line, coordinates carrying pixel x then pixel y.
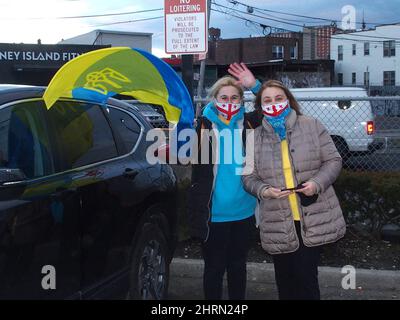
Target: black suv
{"type": "Point", "coordinates": [82, 213]}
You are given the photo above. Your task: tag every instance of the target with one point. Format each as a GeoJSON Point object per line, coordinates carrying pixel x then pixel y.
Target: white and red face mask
{"type": "Point", "coordinates": [274, 110]}
{"type": "Point", "coordinates": [227, 110]}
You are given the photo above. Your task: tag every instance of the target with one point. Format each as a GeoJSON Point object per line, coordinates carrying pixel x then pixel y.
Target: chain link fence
{"type": "Point", "coordinates": [366, 130]}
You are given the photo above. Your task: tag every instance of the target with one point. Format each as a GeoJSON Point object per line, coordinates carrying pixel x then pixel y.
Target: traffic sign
{"type": "Point", "coordinates": [185, 26]}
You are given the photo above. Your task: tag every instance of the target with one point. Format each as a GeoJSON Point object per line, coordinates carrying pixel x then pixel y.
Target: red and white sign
{"type": "Point", "coordinates": [185, 26]}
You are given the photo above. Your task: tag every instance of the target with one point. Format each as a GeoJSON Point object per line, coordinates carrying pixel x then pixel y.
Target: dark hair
{"type": "Point", "coordinates": [277, 84]}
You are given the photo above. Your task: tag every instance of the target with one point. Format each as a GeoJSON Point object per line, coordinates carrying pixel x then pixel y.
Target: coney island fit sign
{"type": "Point", "coordinates": [185, 26]}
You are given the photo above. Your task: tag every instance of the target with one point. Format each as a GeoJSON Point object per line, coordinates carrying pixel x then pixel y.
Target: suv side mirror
{"type": "Point", "coordinates": [12, 183]}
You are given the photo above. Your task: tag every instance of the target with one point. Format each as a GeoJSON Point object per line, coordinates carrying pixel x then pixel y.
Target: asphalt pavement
{"type": "Point", "coordinates": [186, 282]}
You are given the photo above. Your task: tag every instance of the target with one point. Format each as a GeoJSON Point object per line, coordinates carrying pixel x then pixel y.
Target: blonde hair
{"type": "Point", "coordinates": [226, 81]}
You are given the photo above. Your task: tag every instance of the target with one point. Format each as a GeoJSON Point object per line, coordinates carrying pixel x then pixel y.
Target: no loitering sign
{"type": "Point", "coordinates": [185, 26]}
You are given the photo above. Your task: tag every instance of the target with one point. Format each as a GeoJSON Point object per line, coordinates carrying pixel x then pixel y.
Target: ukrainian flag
{"type": "Point", "coordinates": [100, 74]}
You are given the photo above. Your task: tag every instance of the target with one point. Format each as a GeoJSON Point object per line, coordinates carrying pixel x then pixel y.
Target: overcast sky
{"type": "Point", "coordinates": [26, 21]}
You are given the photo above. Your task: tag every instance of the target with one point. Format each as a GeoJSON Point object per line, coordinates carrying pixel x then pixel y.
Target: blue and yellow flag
{"type": "Point", "coordinates": [103, 73]}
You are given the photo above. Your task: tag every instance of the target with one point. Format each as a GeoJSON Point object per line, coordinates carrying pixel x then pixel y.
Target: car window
{"type": "Point", "coordinates": [24, 142]}
{"type": "Point", "coordinates": [82, 133]}
{"type": "Point", "coordinates": [128, 128]}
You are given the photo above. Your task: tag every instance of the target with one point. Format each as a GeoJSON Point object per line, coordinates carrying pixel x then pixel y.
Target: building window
{"type": "Point", "coordinates": [366, 79]}
{"type": "Point", "coordinates": [389, 48]}
{"type": "Point", "coordinates": [389, 78]}
{"type": "Point", "coordinates": [354, 49]}
{"type": "Point", "coordinates": [353, 78]}
{"type": "Point", "coordinates": [366, 48]}
{"type": "Point", "coordinates": [340, 53]}
{"type": "Point", "coordinates": [340, 79]}
{"type": "Point", "coordinates": [293, 53]}
{"type": "Point", "coordinates": [277, 52]}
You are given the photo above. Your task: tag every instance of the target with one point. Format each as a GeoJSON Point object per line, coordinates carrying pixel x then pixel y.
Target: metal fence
{"type": "Point", "coordinates": [366, 130]}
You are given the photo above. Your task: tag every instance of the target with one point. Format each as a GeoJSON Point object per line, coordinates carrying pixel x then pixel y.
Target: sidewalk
{"type": "Point", "coordinates": [186, 282]}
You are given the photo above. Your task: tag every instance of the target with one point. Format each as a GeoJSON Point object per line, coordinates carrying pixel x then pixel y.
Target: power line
{"type": "Point", "coordinates": [297, 25]}
{"type": "Point", "coordinates": [110, 14]}
{"type": "Point", "coordinates": [252, 14]}
{"type": "Point", "coordinates": [359, 35]}
{"type": "Point", "coordinates": [294, 24]}
{"type": "Point", "coordinates": [293, 14]}
{"type": "Point", "coordinates": [239, 17]}
{"type": "Point", "coordinates": [262, 11]}
{"type": "Point", "coordinates": [288, 19]}
{"type": "Point", "coordinates": [287, 30]}
{"type": "Point", "coordinates": [90, 16]}
{"type": "Point", "coordinates": [249, 20]}
{"type": "Point", "coordinates": [129, 21]}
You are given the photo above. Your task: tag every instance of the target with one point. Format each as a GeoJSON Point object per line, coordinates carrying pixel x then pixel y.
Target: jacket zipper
{"type": "Point", "coordinates": [303, 226]}
{"type": "Point", "coordinates": [212, 190]}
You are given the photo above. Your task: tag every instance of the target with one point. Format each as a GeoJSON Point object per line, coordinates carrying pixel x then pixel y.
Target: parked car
{"type": "Point", "coordinates": [151, 112]}
{"type": "Point", "coordinates": [349, 121]}
{"type": "Point", "coordinates": [78, 197]}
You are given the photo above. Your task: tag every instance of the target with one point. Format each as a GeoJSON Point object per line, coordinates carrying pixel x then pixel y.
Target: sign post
{"type": "Point", "coordinates": [202, 58]}
{"type": "Point", "coordinates": [185, 26]}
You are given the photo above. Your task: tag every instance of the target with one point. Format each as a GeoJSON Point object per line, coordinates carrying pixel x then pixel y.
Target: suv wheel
{"type": "Point", "coordinates": [149, 273]}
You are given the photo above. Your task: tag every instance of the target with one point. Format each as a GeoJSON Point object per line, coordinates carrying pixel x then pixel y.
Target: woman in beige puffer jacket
{"type": "Point", "coordinates": [292, 150]}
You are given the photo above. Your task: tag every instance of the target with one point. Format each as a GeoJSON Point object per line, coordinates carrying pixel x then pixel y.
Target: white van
{"type": "Point", "coordinates": [349, 121]}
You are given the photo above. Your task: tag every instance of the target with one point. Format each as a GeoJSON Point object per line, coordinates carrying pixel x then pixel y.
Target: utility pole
{"type": "Point", "coordinates": [187, 72]}
{"type": "Point", "coordinates": [203, 65]}
{"type": "Point", "coordinates": [364, 26]}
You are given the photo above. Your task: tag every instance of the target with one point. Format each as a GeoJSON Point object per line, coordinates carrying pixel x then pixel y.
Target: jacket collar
{"type": "Point", "coordinates": [289, 123]}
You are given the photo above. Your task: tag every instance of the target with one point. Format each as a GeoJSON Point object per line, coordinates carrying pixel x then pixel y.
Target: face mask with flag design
{"type": "Point", "coordinates": [276, 109]}
{"type": "Point", "coordinates": [227, 110]}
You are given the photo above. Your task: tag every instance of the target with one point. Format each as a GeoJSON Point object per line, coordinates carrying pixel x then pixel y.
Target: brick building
{"type": "Point", "coordinates": [257, 49]}
{"type": "Point", "coordinates": [316, 42]}
{"type": "Point", "coordinates": [278, 56]}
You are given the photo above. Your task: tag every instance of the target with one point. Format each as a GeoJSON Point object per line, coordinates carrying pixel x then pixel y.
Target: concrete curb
{"type": "Point", "coordinates": [370, 284]}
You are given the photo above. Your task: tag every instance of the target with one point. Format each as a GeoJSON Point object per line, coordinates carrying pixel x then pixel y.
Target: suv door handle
{"type": "Point", "coordinates": [130, 173]}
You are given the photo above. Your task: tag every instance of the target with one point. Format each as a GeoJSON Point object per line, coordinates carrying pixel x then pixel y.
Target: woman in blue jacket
{"type": "Point", "coordinates": [221, 212]}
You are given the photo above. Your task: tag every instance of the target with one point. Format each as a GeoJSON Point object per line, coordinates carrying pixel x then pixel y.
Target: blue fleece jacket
{"type": "Point", "coordinates": [230, 202]}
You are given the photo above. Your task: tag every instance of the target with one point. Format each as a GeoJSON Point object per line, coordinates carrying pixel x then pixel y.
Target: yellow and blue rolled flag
{"type": "Point", "coordinates": [103, 73]}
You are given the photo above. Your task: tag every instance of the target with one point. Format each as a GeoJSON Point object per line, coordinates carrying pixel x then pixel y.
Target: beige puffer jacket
{"type": "Point", "coordinates": [313, 157]}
